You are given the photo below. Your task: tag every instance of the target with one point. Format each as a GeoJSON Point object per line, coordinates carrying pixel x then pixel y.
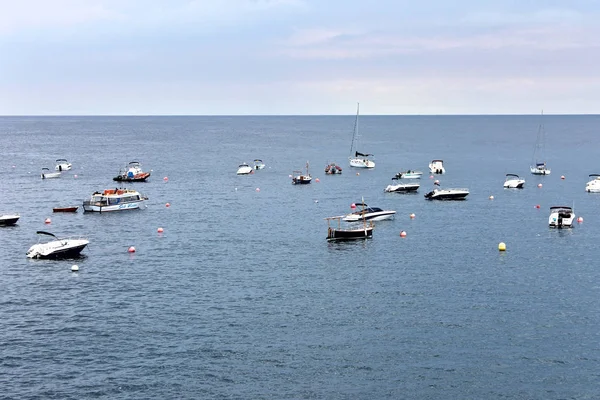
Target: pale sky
{"type": "Point", "coordinates": [295, 57]}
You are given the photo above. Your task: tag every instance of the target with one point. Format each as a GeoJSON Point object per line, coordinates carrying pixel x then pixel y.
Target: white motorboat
{"type": "Point", "coordinates": [437, 167]}
{"type": "Point", "coordinates": [244, 169]}
{"type": "Point", "coordinates": [410, 174]}
{"type": "Point", "coordinates": [8, 219]}
{"type": "Point", "coordinates": [561, 217]}
{"type": "Point", "coordinates": [133, 172]}
{"type": "Point", "coordinates": [258, 164]}
{"type": "Point", "coordinates": [369, 214]}
{"type": "Point", "coordinates": [402, 187]}
{"type": "Point", "coordinates": [538, 165]}
{"type": "Point", "coordinates": [58, 248]}
{"type": "Point", "coordinates": [513, 181]}
{"type": "Point", "coordinates": [46, 174]}
{"type": "Point", "coordinates": [593, 186]}
{"type": "Point", "coordinates": [447, 194]}
{"type": "Point", "coordinates": [62, 165]}
{"type": "Point", "coordinates": [358, 160]}
{"type": "Point", "coordinates": [298, 178]}
{"type": "Point", "coordinates": [114, 200]}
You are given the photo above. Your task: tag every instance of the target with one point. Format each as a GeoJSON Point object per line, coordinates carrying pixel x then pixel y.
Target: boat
{"type": "Point", "coordinates": [65, 209]}
{"type": "Point", "coordinates": [8, 219]}
{"type": "Point", "coordinates": [333, 169]}
{"type": "Point", "coordinates": [539, 166]}
{"type": "Point", "coordinates": [593, 186]}
{"type": "Point", "coordinates": [57, 248]}
{"type": "Point", "coordinates": [114, 200]}
{"type": "Point", "coordinates": [46, 174]}
{"type": "Point", "coordinates": [410, 174]}
{"type": "Point", "coordinates": [348, 233]}
{"type": "Point", "coordinates": [258, 164]}
{"type": "Point", "coordinates": [437, 167]}
{"type": "Point", "coordinates": [561, 217]}
{"type": "Point", "coordinates": [299, 179]}
{"type": "Point", "coordinates": [447, 194]}
{"type": "Point", "coordinates": [132, 173]}
{"type": "Point", "coordinates": [369, 214]}
{"type": "Point", "coordinates": [513, 181]}
{"type": "Point", "coordinates": [244, 169]}
{"type": "Point", "coordinates": [402, 187]}
{"type": "Point", "coordinates": [358, 160]}
{"type": "Point", "coordinates": [62, 165]}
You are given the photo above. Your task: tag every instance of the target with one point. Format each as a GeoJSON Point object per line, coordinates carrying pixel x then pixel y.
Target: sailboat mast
{"type": "Point", "coordinates": [355, 132]}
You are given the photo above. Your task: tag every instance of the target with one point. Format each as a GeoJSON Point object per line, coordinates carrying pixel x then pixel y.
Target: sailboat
{"type": "Point", "coordinates": [358, 160]}
{"type": "Point", "coordinates": [538, 166]}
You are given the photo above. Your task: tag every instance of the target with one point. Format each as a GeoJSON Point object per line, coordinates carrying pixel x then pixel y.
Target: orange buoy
{"type": "Point", "coordinates": [131, 249]}
{"type": "Point", "coordinates": [160, 230]}
{"type": "Point", "coordinates": [562, 177]}
{"type": "Point", "coordinates": [165, 178]}
{"type": "Point", "coordinates": [430, 176]}
{"type": "Point", "coordinates": [412, 216]}
{"type": "Point", "coordinates": [353, 206]}
{"type": "Point", "coordinates": [402, 234]}
{"type": "Point", "coordinates": [537, 206]}
{"type": "Point", "coordinates": [317, 180]}
{"type": "Point", "coordinates": [168, 205]}
{"type": "Point", "coordinates": [539, 185]}
{"type": "Point", "coordinates": [47, 221]}
{"type": "Point", "coordinates": [580, 219]}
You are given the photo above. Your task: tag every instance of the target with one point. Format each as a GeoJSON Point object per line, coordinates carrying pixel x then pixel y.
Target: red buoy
{"type": "Point", "coordinates": [131, 249]}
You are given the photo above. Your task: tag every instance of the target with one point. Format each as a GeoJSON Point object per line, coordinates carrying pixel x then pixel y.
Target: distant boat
{"type": "Point", "coordinates": [593, 186]}
{"type": "Point", "coordinates": [333, 169]}
{"type": "Point", "coordinates": [410, 174]}
{"type": "Point", "coordinates": [244, 169]}
{"type": "Point", "coordinates": [65, 209]}
{"type": "Point", "coordinates": [539, 166]}
{"type": "Point", "coordinates": [301, 179]}
{"type": "Point", "coordinates": [437, 167]}
{"type": "Point", "coordinates": [561, 217]}
{"type": "Point", "coordinates": [364, 231]}
{"type": "Point", "coordinates": [114, 200]}
{"type": "Point", "coordinates": [46, 174]}
{"type": "Point", "coordinates": [62, 165]}
{"type": "Point", "coordinates": [402, 187]}
{"type": "Point", "coordinates": [358, 160]}
{"type": "Point", "coordinates": [447, 194]}
{"type": "Point", "coordinates": [513, 181]}
{"type": "Point", "coordinates": [8, 219]}
{"type": "Point", "coordinates": [258, 164]}
{"type": "Point", "coordinates": [133, 173]}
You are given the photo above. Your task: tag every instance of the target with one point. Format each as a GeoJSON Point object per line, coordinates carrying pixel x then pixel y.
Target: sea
{"type": "Point", "coordinates": [242, 297]}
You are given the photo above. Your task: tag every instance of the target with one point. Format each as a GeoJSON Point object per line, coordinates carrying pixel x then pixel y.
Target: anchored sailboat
{"type": "Point", "coordinates": [358, 160]}
{"type": "Point", "coordinates": [539, 166]}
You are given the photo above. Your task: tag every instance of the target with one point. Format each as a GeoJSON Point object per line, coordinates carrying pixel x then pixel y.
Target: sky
{"type": "Point", "coordinates": [299, 57]}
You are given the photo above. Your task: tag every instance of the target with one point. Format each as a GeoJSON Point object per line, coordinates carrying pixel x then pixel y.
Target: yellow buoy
{"type": "Point", "coordinates": [502, 246]}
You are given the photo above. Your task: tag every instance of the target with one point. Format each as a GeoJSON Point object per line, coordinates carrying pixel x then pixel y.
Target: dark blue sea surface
{"type": "Point", "coordinates": [242, 297]}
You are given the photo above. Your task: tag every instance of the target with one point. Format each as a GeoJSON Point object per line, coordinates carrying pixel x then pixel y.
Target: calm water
{"type": "Point", "coordinates": [242, 297]}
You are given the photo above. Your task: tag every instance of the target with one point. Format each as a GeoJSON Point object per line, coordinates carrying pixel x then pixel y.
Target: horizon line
{"type": "Point", "coordinates": [287, 115]}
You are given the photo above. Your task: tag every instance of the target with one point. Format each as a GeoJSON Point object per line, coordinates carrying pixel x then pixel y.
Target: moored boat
{"type": "Point", "coordinates": [513, 181]}
{"type": "Point", "coordinates": [114, 200]}
{"type": "Point", "coordinates": [46, 174]}
{"type": "Point", "coordinates": [348, 233]}
{"type": "Point", "coordinates": [132, 173]}
{"type": "Point", "coordinates": [65, 209]}
{"type": "Point", "coordinates": [9, 219]}
{"type": "Point", "coordinates": [437, 167]}
{"type": "Point", "coordinates": [410, 174]}
{"type": "Point", "coordinates": [369, 214]}
{"type": "Point", "coordinates": [358, 160]}
{"type": "Point", "coordinates": [447, 194]}
{"type": "Point", "coordinates": [258, 164]}
{"type": "Point", "coordinates": [402, 187]}
{"type": "Point", "coordinates": [62, 165]}
{"type": "Point", "coordinates": [58, 248]}
{"type": "Point", "coordinates": [561, 217]}
{"type": "Point", "coordinates": [298, 178]}
{"type": "Point", "coordinates": [333, 169]}
{"type": "Point", "coordinates": [593, 186]}
{"type": "Point", "coordinates": [244, 169]}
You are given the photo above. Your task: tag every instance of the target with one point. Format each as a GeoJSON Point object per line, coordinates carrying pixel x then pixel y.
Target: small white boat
{"type": "Point", "coordinates": [58, 248]}
{"type": "Point", "coordinates": [62, 165]}
{"type": "Point", "coordinates": [114, 200]}
{"type": "Point", "coordinates": [298, 178]}
{"type": "Point", "coordinates": [410, 174]}
{"type": "Point", "coordinates": [46, 174]}
{"type": "Point", "coordinates": [244, 169]}
{"type": "Point", "coordinates": [369, 214]}
{"type": "Point", "coordinates": [561, 217]}
{"type": "Point", "coordinates": [447, 194]}
{"type": "Point", "coordinates": [358, 160]}
{"type": "Point", "coordinates": [538, 167]}
{"type": "Point", "coordinates": [402, 187]}
{"type": "Point", "coordinates": [437, 167]}
{"type": "Point", "coordinates": [593, 186]}
{"type": "Point", "coordinates": [513, 181]}
{"type": "Point", "coordinates": [258, 164]}
{"type": "Point", "coordinates": [8, 219]}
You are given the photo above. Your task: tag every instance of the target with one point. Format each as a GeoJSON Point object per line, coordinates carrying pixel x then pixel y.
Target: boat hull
{"type": "Point", "coordinates": [51, 175]}
{"type": "Point", "coordinates": [100, 208]}
{"type": "Point", "coordinates": [402, 188]}
{"type": "Point", "coordinates": [520, 184]}
{"type": "Point", "coordinates": [247, 170]}
{"type": "Point", "coordinates": [301, 181]}
{"type": "Point", "coordinates": [136, 178]}
{"type": "Point", "coordinates": [380, 216]}
{"type": "Point", "coordinates": [349, 234]}
{"type": "Point", "coordinates": [361, 163]}
{"type": "Point", "coordinates": [447, 195]}
{"type": "Point", "coordinates": [539, 171]}
{"type": "Point", "coordinates": [49, 251]}
{"type": "Point", "coordinates": [65, 209]}
{"type": "Point", "coordinates": [7, 220]}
